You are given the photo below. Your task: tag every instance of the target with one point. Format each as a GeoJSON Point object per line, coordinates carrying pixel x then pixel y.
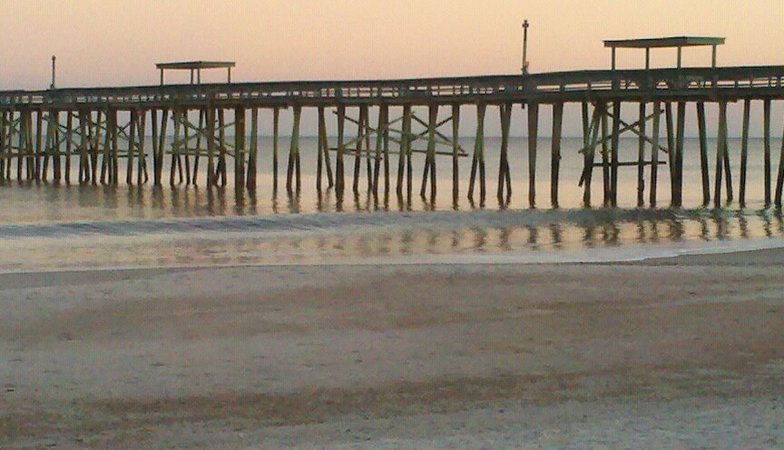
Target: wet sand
{"type": "Point", "coordinates": [683, 352]}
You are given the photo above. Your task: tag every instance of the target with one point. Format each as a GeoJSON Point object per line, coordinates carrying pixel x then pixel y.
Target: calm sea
{"type": "Point", "coordinates": [59, 227]}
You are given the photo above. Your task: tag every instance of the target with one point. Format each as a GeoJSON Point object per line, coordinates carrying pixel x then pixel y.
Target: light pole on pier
{"type": "Point", "coordinates": [525, 47]}
{"type": "Point", "coordinates": [53, 72]}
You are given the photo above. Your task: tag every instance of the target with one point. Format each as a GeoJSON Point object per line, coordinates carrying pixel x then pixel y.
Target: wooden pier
{"type": "Point", "coordinates": [43, 133]}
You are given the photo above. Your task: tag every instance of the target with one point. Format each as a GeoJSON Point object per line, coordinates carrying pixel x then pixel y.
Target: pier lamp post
{"type": "Point", "coordinates": [53, 72]}
{"type": "Point", "coordinates": [525, 47]}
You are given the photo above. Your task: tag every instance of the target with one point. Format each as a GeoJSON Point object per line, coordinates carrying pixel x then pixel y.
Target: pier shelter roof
{"type": "Point", "coordinates": [676, 41]}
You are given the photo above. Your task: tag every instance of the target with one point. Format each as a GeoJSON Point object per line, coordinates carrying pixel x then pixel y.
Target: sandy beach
{"type": "Point", "coordinates": [681, 352]}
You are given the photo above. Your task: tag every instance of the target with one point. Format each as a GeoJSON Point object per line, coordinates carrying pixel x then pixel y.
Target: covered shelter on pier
{"type": "Point", "coordinates": [195, 68]}
{"type": "Point", "coordinates": [666, 42]}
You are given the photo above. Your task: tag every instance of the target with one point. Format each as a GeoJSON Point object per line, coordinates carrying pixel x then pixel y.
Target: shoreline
{"type": "Point", "coordinates": [602, 255]}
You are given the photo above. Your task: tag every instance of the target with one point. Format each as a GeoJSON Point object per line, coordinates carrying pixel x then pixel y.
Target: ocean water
{"type": "Point", "coordinates": [50, 226]}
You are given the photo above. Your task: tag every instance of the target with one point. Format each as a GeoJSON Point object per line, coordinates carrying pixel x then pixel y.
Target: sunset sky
{"type": "Point", "coordinates": [112, 42]}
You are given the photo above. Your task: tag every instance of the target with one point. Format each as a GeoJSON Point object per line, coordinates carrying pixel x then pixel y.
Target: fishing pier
{"type": "Point", "coordinates": [103, 131]}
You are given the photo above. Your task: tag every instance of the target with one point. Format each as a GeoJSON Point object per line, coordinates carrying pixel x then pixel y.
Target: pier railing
{"type": "Point", "coordinates": [706, 83]}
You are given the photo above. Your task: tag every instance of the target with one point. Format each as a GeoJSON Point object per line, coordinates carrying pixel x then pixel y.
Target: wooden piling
{"type": "Point", "coordinates": [727, 169]}
{"type": "Point", "coordinates": [115, 149]}
{"type": "Point", "coordinates": [132, 146]}
{"type": "Point", "coordinates": [94, 144]}
{"type": "Point", "coordinates": [211, 178]}
{"type": "Point", "coordinates": [670, 141]}
{"type": "Point", "coordinates": [455, 152]}
{"type": "Point", "coordinates": [555, 163]}
{"type": "Point", "coordinates": [363, 117]}
{"type": "Point", "coordinates": [430, 158]}
{"type": "Point", "coordinates": [641, 156]}
{"type": "Point", "coordinates": [587, 164]}
{"type": "Point", "coordinates": [677, 188]}
{"type": "Point", "coordinates": [339, 169]}
{"type": "Point", "coordinates": [156, 174]}
{"type": "Point", "coordinates": [720, 148]}
{"type": "Point", "coordinates": [655, 152]}
{"type": "Point", "coordinates": [162, 146]}
{"type": "Point", "coordinates": [254, 149]}
{"type": "Point", "coordinates": [45, 151]}
{"type": "Point", "coordinates": [197, 156]}
{"type": "Point", "coordinates": [368, 165]}
{"type": "Point", "coordinates": [184, 148]}
{"type": "Point", "coordinates": [616, 132]}
{"type": "Point", "coordinates": [533, 125]}
{"type": "Point", "coordinates": [275, 125]}
{"type": "Point", "coordinates": [385, 144]}
{"type": "Point", "coordinates": [703, 138]}
{"type": "Point", "coordinates": [49, 147]}
{"type": "Point", "coordinates": [322, 149]}
{"type": "Point", "coordinates": [29, 149]}
{"type": "Point", "coordinates": [766, 147]}
{"type": "Point", "coordinates": [68, 145]}
{"type": "Point", "coordinates": [479, 144]}
{"type": "Point", "coordinates": [222, 163]}
{"type": "Point", "coordinates": [176, 145]}
{"type": "Point", "coordinates": [38, 144]}
{"type": "Point", "coordinates": [381, 130]}
{"type": "Point", "coordinates": [744, 151]}
{"type": "Point", "coordinates": [83, 142]}
{"type": "Point", "coordinates": [403, 153]}
{"type": "Point", "coordinates": [409, 166]}
{"type": "Point", "coordinates": [3, 146]}
{"type": "Point", "coordinates": [606, 176]}
{"type": "Point", "coordinates": [239, 148]}
{"type": "Point", "coordinates": [293, 161]}
{"type": "Point", "coordinates": [141, 162]}
{"type": "Point", "coordinates": [780, 176]}
{"type": "Point", "coordinates": [57, 163]}
{"type": "Point", "coordinates": [325, 144]}
{"type": "Point", "coordinates": [504, 177]}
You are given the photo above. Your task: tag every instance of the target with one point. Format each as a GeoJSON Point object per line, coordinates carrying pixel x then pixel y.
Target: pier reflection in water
{"type": "Point", "coordinates": [239, 236]}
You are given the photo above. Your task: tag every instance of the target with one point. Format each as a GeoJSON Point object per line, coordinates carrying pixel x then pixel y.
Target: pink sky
{"type": "Point", "coordinates": [113, 42]}
{"type": "Point", "coordinates": [108, 42]}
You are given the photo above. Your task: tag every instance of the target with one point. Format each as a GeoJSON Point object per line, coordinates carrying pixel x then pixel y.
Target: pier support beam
{"type": "Point", "coordinates": [655, 153]}
{"type": "Point", "coordinates": [641, 157]}
{"type": "Point", "coordinates": [382, 149]}
{"type": "Point", "coordinates": [176, 145]}
{"type": "Point", "coordinates": [275, 126]}
{"type": "Point", "coordinates": [721, 147]}
{"type": "Point", "coordinates": [677, 187]}
{"type": "Point", "coordinates": [293, 170]}
{"type": "Point", "coordinates": [239, 148]}
{"type": "Point", "coordinates": [478, 160]}
{"type": "Point", "coordinates": [339, 170]}
{"type": "Point", "coordinates": [780, 176]}
{"type": "Point", "coordinates": [211, 178]}
{"type": "Point", "coordinates": [253, 150]}
{"type": "Point", "coordinates": [703, 138]}
{"type": "Point", "coordinates": [3, 145]}
{"type": "Point", "coordinates": [766, 103]}
{"type": "Point", "coordinates": [363, 118]}
{"type": "Point", "coordinates": [430, 158]}
{"type": "Point", "coordinates": [504, 175]}
{"type": "Point", "coordinates": [455, 153]}
{"type": "Point", "coordinates": [533, 126]}
{"type": "Point", "coordinates": [744, 152]}
{"type": "Point", "coordinates": [614, 156]}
